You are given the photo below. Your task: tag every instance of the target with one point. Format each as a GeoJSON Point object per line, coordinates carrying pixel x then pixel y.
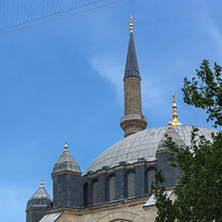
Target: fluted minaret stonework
{"type": "Point", "coordinates": [133, 121]}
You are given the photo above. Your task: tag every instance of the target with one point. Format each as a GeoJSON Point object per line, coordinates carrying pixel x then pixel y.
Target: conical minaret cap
{"type": "Point", "coordinates": [66, 162]}
{"type": "Point", "coordinates": [132, 68]}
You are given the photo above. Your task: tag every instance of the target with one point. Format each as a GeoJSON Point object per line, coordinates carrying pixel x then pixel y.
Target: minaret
{"type": "Point", "coordinates": [133, 121]}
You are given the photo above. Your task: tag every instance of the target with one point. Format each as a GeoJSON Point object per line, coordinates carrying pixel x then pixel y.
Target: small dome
{"type": "Point", "coordinates": [66, 162]}
{"type": "Point", "coordinates": [143, 145]}
{"type": "Point", "coordinates": [40, 198]}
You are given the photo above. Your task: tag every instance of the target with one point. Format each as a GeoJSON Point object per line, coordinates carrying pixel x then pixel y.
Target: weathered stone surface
{"type": "Point", "coordinates": [125, 211]}
{"type": "Point", "coordinates": [143, 144]}
{"type": "Point", "coordinates": [132, 94]}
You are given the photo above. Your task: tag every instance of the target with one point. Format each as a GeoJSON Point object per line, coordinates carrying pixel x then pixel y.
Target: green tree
{"type": "Point", "coordinates": [199, 190]}
{"type": "Point", "coordinates": [205, 91]}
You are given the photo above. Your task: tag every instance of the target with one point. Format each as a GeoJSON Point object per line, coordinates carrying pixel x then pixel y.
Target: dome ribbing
{"type": "Point", "coordinates": [143, 145]}
{"type": "Point", "coordinates": [66, 162]}
{"type": "Point", "coordinates": [40, 198]}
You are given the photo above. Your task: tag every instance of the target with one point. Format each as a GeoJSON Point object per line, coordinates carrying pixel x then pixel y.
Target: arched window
{"type": "Point", "coordinates": [95, 192]}
{"type": "Point", "coordinates": [111, 188]}
{"type": "Point", "coordinates": [86, 195]}
{"type": "Point", "coordinates": [150, 179]}
{"type": "Point", "coordinates": [131, 184]}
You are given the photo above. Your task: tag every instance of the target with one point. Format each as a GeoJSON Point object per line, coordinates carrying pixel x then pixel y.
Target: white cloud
{"type": "Point", "coordinates": [109, 69]}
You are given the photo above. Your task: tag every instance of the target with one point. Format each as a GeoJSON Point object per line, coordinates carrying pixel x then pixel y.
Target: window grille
{"type": "Point", "coordinates": [86, 195]}
{"type": "Point", "coordinates": [95, 192]}
{"type": "Point", "coordinates": [150, 180]}
{"type": "Point", "coordinates": [131, 184]}
{"type": "Point", "coordinates": [112, 188]}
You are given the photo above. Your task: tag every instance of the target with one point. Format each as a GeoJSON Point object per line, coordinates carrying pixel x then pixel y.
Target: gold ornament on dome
{"type": "Point", "coordinates": [66, 146]}
{"type": "Point", "coordinates": [170, 123]}
{"type": "Point", "coordinates": [175, 115]}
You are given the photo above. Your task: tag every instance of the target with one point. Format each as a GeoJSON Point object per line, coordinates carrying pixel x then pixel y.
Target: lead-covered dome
{"type": "Point", "coordinates": [66, 162]}
{"type": "Point", "coordinates": [40, 198]}
{"type": "Point", "coordinates": [143, 146]}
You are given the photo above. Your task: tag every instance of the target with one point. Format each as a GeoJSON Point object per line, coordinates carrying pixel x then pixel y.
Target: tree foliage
{"type": "Point", "coordinates": [205, 91]}
{"type": "Point", "coordinates": [199, 190]}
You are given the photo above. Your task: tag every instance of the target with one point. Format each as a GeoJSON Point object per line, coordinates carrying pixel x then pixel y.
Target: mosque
{"type": "Point", "coordinates": [116, 186]}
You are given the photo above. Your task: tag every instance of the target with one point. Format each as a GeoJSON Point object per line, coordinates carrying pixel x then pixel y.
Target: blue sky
{"type": "Point", "coordinates": [63, 81]}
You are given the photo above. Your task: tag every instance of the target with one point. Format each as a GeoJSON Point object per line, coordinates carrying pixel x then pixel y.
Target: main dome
{"type": "Point", "coordinates": [142, 146]}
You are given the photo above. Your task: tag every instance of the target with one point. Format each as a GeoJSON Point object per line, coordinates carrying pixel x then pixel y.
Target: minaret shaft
{"type": "Point", "coordinates": [132, 96]}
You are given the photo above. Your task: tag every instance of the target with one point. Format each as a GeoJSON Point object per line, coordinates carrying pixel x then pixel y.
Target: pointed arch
{"type": "Point", "coordinates": [111, 187]}
{"type": "Point", "coordinates": [95, 192]}
{"type": "Point", "coordinates": [150, 178]}
{"type": "Point", "coordinates": [122, 216]}
{"type": "Point", "coordinates": [130, 184]}
{"type": "Point", "coordinates": [86, 194]}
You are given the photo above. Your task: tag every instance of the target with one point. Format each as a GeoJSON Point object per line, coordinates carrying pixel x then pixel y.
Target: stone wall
{"type": "Point", "coordinates": [132, 95]}
{"type": "Point", "coordinates": [124, 211]}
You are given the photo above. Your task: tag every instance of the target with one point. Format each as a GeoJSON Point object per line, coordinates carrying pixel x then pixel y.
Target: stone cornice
{"type": "Point", "coordinates": [127, 166]}
{"type": "Point", "coordinates": [110, 205]}
{"type": "Point", "coordinates": [37, 208]}
{"type": "Point", "coordinates": [161, 151]}
{"type": "Point", "coordinates": [66, 172]}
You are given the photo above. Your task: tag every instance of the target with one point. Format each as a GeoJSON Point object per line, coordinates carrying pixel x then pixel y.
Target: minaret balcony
{"type": "Point", "coordinates": [133, 123]}
{"type": "Point", "coordinates": [132, 117]}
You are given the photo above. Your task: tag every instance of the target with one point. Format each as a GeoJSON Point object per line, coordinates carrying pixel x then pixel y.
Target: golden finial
{"type": "Point", "coordinates": [41, 182]}
{"type": "Point", "coordinates": [66, 146]}
{"type": "Point", "coordinates": [131, 23]}
{"type": "Point", "coordinates": [175, 115]}
{"type": "Point", "coordinates": [170, 123]}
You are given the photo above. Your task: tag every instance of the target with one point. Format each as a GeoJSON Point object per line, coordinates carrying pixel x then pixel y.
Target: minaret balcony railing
{"type": "Point", "coordinates": [133, 117]}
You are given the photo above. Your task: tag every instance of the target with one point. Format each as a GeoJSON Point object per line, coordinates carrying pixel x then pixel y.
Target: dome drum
{"type": "Point", "coordinates": [121, 185]}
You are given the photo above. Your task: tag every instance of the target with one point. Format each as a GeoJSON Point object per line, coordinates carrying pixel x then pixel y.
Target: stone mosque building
{"type": "Point", "coordinates": [116, 186]}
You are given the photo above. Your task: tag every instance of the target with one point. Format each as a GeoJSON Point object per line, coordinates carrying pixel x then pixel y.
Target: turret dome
{"type": "Point", "coordinates": [66, 162]}
{"type": "Point", "coordinates": [40, 199]}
